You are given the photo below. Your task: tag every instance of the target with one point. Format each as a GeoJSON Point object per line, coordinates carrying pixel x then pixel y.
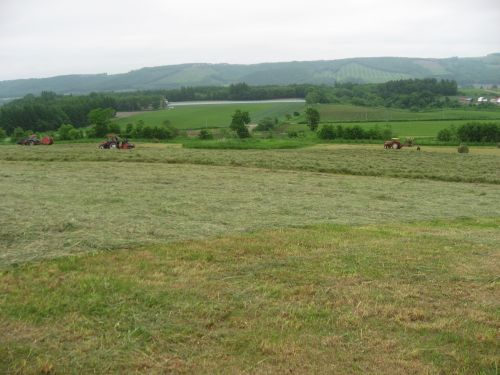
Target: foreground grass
{"type": "Point", "coordinates": [50, 209]}
{"type": "Point", "coordinates": [363, 160]}
{"type": "Point", "coordinates": [419, 298]}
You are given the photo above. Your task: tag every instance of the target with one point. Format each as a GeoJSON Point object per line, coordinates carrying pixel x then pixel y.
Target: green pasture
{"type": "Point", "coordinates": [346, 112]}
{"type": "Point", "coordinates": [403, 123]}
{"type": "Point", "coordinates": [211, 116]}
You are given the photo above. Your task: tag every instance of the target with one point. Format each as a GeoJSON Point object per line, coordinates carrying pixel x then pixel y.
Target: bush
{"type": "Point", "coordinates": [444, 135]}
{"type": "Point", "coordinates": [463, 149]}
{"type": "Point", "coordinates": [327, 132]}
{"type": "Point", "coordinates": [292, 134]}
{"type": "Point", "coordinates": [19, 133]}
{"type": "Point", "coordinates": [3, 134]}
{"type": "Point", "coordinates": [243, 132]}
{"type": "Point", "coordinates": [265, 124]}
{"type": "Point", "coordinates": [64, 132]}
{"type": "Point", "coordinates": [479, 132]}
{"type": "Point", "coordinates": [205, 134]}
{"type": "Point", "coordinates": [114, 128]}
{"type": "Point", "coordinates": [75, 134]}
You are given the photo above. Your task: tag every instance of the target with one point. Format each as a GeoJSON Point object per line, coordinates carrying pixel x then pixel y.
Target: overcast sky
{"type": "Point", "coordinates": [41, 38]}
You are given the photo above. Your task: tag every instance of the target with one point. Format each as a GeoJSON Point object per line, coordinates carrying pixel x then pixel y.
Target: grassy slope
{"type": "Point", "coordinates": [416, 298]}
{"type": "Point", "coordinates": [211, 116]}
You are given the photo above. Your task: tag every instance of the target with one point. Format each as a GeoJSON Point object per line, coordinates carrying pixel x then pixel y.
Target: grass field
{"type": "Point", "coordinates": [418, 129]}
{"type": "Point", "coordinates": [328, 259]}
{"type": "Point", "coordinates": [211, 116]}
{"type": "Point", "coordinates": [403, 123]}
{"type": "Point", "coordinates": [480, 165]}
{"type": "Point", "coordinates": [345, 112]}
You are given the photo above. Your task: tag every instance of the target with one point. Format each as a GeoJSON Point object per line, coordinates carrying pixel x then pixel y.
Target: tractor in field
{"type": "Point", "coordinates": [394, 143]}
{"type": "Point", "coordinates": [33, 140]}
{"type": "Point", "coordinates": [113, 141]}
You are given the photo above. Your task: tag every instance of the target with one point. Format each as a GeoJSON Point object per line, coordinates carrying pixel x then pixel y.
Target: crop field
{"type": "Point", "coordinates": [403, 123]}
{"type": "Point", "coordinates": [211, 116]}
{"type": "Point", "coordinates": [420, 129]}
{"type": "Point", "coordinates": [345, 112]}
{"type": "Point", "coordinates": [326, 259]}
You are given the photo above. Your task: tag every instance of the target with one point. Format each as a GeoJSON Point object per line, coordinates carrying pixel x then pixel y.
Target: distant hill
{"type": "Point", "coordinates": [466, 71]}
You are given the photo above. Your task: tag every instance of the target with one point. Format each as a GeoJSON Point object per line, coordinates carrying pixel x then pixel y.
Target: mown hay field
{"type": "Point", "coordinates": [480, 165]}
{"type": "Point", "coordinates": [329, 259]}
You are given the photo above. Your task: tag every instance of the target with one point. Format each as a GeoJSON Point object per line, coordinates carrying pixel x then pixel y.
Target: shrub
{"type": "Point", "coordinates": [479, 132]}
{"type": "Point", "coordinates": [292, 134]}
{"type": "Point", "coordinates": [75, 134]}
{"type": "Point", "coordinates": [19, 133]}
{"type": "Point", "coordinates": [129, 130]}
{"type": "Point", "coordinates": [64, 132]}
{"type": "Point", "coordinates": [3, 134]}
{"type": "Point", "coordinates": [114, 128]}
{"type": "Point", "coordinates": [265, 124]}
{"type": "Point", "coordinates": [463, 149]}
{"type": "Point", "coordinates": [327, 132]}
{"type": "Point", "coordinates": [205, 134]}
{"type": "Point", "coordinates": [444, 135]}
{"type": "Point", "coordinates": [296, 114]}
{"type": "Point", "coordinates": [243, 132]}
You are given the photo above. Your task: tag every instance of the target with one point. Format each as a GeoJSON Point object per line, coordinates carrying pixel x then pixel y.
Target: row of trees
{"type": "Point", "coordinates": [49, 110]}
{"type": "Point", "coordinates": [414, 94]}
{"type": "Point", "coordinates": [354, 132]}
{"type": "Point", "coordinates": [471, 132]}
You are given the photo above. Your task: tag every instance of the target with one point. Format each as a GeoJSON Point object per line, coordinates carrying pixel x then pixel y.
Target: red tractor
{"type": "Point", "coordinates": [394, 143]}
{"type": "Point", "coordinates": [33, 140]}
{"type": "Point", "coordinates": [114, 141]}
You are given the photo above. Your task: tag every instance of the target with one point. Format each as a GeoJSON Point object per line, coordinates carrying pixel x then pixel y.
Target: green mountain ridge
{"type": "Point", "coordinates": [466, 71]}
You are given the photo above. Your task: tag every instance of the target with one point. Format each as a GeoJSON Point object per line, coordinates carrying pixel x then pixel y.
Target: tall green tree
{"type": "Point", "coordinates": [312, 118]}
{"type": "Point", "coordinates": [101, 119]}
{"type": "Point", "coordinates": [238, 123]}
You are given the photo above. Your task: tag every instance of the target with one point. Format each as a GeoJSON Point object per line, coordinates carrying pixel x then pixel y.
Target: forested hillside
{"type": "Point", "coordinates": [465, 71]}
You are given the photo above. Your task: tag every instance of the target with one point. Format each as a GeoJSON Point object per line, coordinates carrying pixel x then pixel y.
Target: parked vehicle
{"type": "Point", "coordinates": [394, 143]}
{"type": "Point", "coordinates": [114, 141]}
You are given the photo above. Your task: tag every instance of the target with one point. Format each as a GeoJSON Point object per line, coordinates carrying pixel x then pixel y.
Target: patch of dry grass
{"type": "Point", "coordinates": [392, 299]}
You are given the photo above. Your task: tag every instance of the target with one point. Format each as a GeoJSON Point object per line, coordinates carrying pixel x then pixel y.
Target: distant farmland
{"type": "Point", "coordinates": [212, 116]}
{"type": "Point", "coordinates": [403, 123]}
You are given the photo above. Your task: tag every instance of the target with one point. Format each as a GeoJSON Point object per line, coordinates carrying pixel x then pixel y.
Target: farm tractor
{"type": "Point", "coordinates": [33, 140]}
{"type": "Point", "coordinates": [394, 143]}
{"type": "Point", "coordinates": [113, 141]}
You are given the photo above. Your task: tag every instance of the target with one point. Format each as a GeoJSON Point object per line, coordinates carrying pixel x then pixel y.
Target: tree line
{"type": "Point", "coordinates": [48, 111]}
{"type": "Point", "coordinates": [478, 132]}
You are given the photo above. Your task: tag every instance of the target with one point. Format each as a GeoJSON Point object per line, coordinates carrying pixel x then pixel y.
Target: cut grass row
{"type": "Point", "coordinates": [52, 209]}
{"type": "Point", "coordinates": [419, 298]}
{"type": "Point", "coordinates": [356, 160]}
